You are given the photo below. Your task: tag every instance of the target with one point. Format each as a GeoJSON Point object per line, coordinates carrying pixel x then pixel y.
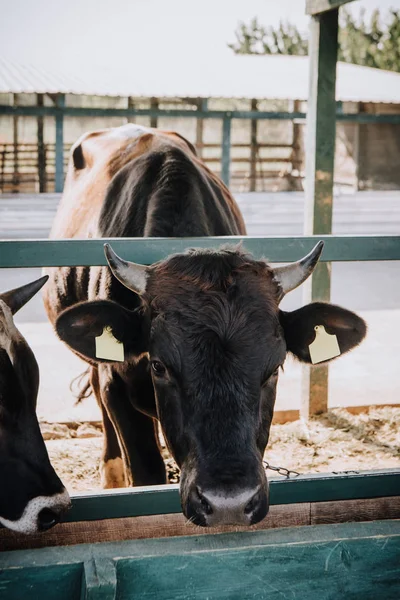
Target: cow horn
{"type": "Point", "coordinates": [15, 299]}
{"type": "Point", "coordinates": [131, 275]}
{"type": "Point", "coordinates": [291, 276]}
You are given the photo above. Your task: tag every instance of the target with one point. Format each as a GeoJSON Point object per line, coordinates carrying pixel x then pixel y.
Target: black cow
{"type": "Point", "coordinates": [202, 332]}
{"type": "Point", "coordinates": [32, 497]}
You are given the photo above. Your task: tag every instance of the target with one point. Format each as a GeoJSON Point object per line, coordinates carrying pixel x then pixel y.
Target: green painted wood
{"type": "Point", "coordinates": [320, 153]}
{"type": "Point", "coordinates": [321, 125]}
{"type": "Point", "coordinates": [153, 500]}
{"type": "Point", "coordinates": [315, 7]}
{"type": "Point", "coordinates": [54, 582]}
{"type": "Point", "coordinates": [316, 534]}
{"type": "Point", "coordinates": [367, 568]}
{"type": "Point", "coordinates": [72, 111]}
{"type": "Point", "coordinates": [59, 117]}
{"type": "Point", "coordinates": [226, 150]}
{"type": "Point", "coordinates": [324, 562]}
{"type": "Point", "coordinates": [51, 253]}
{"type": "Point", "coordinates": [99, 581]}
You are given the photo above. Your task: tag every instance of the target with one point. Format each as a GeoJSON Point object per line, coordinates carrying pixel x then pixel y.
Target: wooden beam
{"type": "Point", "coordinates": [41, 150]}
{"type": "Point", "coordinates": [59, 178]}
{"type": "Point", "coordinates": [320, 154]}
{"type": "Point", "coordinates": [316, 7]}
{"type": "Point", "coordinates": [226, 150]}
{"type": "Point", "coordinates": [131, 107]}
{"type": "Point", "coordinates": [174, 525]}
{"type": "Point", "coordinates": [154, 106]}
{"type": "Point", "coordinates": [80, 253]}
{"type": "Point", "coordinates": [201, 106]}
{"type": "Point", "coordinates": [15, 147]}
{"type": "Point", "coordinates": [253, 149]}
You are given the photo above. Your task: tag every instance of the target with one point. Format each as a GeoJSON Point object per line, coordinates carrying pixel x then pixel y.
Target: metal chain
{"type": "Point", "coordinates": [281, 470]}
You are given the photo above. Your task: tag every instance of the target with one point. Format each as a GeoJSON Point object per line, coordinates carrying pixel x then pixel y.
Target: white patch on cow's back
{"type": "Point", "coordinates": [128, 131]}
{"type": "Point", "coordinates": [28, 522]}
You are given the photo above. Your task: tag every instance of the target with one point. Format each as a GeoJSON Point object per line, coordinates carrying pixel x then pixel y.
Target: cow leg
{"type": "Point", "coordinates": [136, 432]}
{"type": "Point", "coordinates": [112, 470]}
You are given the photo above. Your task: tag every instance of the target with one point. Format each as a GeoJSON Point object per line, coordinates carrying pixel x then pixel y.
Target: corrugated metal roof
{"type": "Point", "coordinates": [229, 76]}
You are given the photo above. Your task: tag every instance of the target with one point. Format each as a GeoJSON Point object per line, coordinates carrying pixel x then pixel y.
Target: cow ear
{"type": "Point", "coordinates": [299, 327]}
{"type": "Point", "coordinates": [80, 325]}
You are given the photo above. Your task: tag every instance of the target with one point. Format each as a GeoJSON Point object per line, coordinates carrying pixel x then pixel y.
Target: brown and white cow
{"type": "Point", "coordinates": [32, 497]}
{"type": "Point", "coordinates": [202, 331]}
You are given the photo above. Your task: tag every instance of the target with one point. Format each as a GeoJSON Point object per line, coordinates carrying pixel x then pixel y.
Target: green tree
{"type": "Point", "coordinates": [372, 43]}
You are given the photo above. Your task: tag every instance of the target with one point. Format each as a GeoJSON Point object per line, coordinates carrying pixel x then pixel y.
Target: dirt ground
{"type": "Point", "coordinates": [335, 441]}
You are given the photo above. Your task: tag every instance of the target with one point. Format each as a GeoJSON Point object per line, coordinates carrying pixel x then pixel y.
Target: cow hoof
{"type": "Point", "coordinates": [112, 474]}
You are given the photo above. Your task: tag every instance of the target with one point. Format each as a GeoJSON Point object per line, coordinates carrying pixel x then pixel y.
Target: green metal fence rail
{"type": "Point", "coordinates": [164, 499]}
{"type": "Point", "coordinates": [74, 253]}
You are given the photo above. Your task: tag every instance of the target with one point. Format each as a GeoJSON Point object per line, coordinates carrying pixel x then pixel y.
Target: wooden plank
{"type": "Point", "coordinates": [306, 488]}
{"type": "Point", "coordinates": [51, 253]}
{"type": "Point", "coordinates": [273, 538]}
{"type": "Point", "coordinates": [362, 509]}
{"type": "Point", "coordinates": [226, 150]}
{"type": "Point", "coordinates": [152, 526]}
{"type": "Point", "coordinates": [253, 149]}
{"type": "Point", "coordinates": [59, 177]}
{"type": "Point", "coordinates": [320, 153]}
{"type": "Point", "coordinates": [55, 582]}
{"type": "Point", "coordinates": [316, 7]}
{"type": "Point", "coordinates": [201, 106]}
{"type": "Point", "coordinates": [346, 568]}
{"type": "Point", "coordinates": [154, 108]}
{"type": "Point", "coordinates": [99, 580]}
{"type": "Point", "coordinates": [41, 150]}
{"type": "Point", "coordinates": [152, 500]}
{"type": "Point", "coordinates": [347, 560]}
{"type": "Point", "coordinates": [173, 525]}
{"type": "Point", "coordinates": [15, 147]}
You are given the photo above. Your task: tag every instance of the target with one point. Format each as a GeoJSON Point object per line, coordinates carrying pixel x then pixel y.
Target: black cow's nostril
{"type": "Point", "coordinates": [47, 518]}
{"type": "Point", "coordinates": [253, 504]}
{"type": "Point", "coordinates": [204, 503]}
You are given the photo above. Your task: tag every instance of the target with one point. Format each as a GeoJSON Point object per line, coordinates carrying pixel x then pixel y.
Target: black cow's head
{"type": "Point", "coordinates": [216, 339]}
{"type": "Point", "coordinates": [32, 497]}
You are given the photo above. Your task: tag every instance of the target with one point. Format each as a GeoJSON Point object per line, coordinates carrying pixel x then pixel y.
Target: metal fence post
{"type": "Point", "coordinates": [226, 149]}
{"type": "Point", "coordinates": [59, 178]}
{"type": "Point", "coordinates": [320, 153]}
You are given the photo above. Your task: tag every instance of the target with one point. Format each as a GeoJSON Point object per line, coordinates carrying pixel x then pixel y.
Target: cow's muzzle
{"type": "Point", "coordinates": [214, 507]}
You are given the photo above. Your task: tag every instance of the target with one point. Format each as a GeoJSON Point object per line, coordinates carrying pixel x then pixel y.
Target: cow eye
{"type": "Point", "coordinates": [267, 378]}
{"type": "Point", "coordinates": [78, 158]}
{"type": "Point", "coordinates": [158, 368]}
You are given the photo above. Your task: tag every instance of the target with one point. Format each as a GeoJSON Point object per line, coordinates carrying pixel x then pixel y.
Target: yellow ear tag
{"type": "Point", "coordinates": [108, 347]}
{"type": "Point", "coordinates": [324, 347]}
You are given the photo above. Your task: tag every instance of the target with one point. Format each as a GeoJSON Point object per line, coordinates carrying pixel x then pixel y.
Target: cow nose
{"type": "Point", "coordinates": [47, 518]}
{"type": "Point", "coordinates": [213, 508]}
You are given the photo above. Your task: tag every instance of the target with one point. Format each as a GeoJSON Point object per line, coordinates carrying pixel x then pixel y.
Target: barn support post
{"type": "Point", "coordinates": [202, 104]}
{"type": "Point", "coordinates": [15, 147]}
{"type": "Point", "coordinates": [297, 155]}
{"type": "Point", "coordinates": [320, 153]}
{"type": "Point", "coordinates": [41, 151]}
{"type": "Point", "coordinates": [59, 179]}
{"type": "Point", "coordinates": [153, 106]}
{"type": "Point", "coordinates": [253, 148]}
{"type": "Point", "coordinates": [226, 149]}
{"type": "Point", "coordinates": [131, 106]}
